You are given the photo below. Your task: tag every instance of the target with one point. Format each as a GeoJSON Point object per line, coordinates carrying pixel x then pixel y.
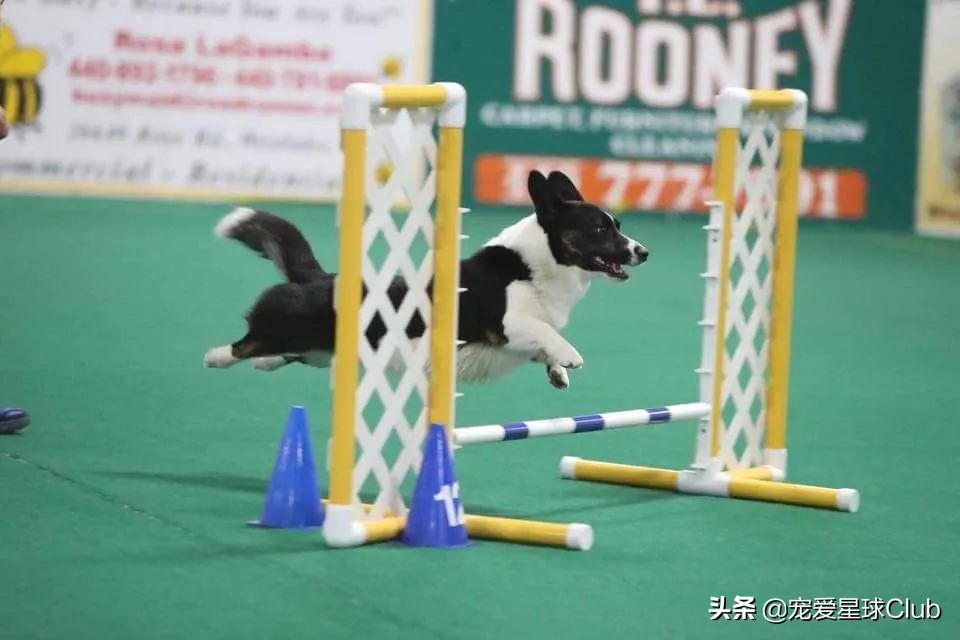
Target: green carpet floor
{"type": "Point", "coordinates": [122, 507]}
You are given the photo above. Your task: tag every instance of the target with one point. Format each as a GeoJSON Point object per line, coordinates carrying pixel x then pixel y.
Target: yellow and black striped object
{"type": "Point", "coordinates": [20, 93]}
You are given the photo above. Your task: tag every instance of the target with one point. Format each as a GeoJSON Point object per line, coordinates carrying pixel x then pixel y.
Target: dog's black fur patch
{"type": "Point", "coordinates": [485, 275]}
{"type": "Point", "coordinates": [298, 316]}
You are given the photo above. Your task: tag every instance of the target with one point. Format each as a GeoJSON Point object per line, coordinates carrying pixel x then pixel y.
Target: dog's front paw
{"type": "Point", "coordinates": [568, 357]}
{"type": "Point", "coordinates": [558, 376]}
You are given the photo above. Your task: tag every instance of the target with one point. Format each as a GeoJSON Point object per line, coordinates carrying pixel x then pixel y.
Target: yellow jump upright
{"type": "Point", "coordinates": [392, 157]}
{"type": "Point", "coordinates": [741, 449]}
{"type": "Point", "coordinates": [369, 122]}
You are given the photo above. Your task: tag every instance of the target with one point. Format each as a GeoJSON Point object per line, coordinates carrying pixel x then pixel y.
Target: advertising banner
{"type": "Point", "coordinates": [200, 98]}
{"type": "Point", "coordinates": [619, 94]}
{"type": "Point", "coordinates": [938, 180]}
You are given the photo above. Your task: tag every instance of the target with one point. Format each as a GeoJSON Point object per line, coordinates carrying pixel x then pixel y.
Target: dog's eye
{"type": "Point", "coordinates": [600, 229]}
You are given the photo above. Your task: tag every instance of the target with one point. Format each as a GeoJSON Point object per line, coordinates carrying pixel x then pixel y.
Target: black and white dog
{"type": "Point", "coordinates": [520, 289]}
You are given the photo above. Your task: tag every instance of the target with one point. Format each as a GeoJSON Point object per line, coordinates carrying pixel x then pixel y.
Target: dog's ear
{"type": "Point", "coordinates": [545, 199]}
{"type": "Point", "coordinates": [564, 187]}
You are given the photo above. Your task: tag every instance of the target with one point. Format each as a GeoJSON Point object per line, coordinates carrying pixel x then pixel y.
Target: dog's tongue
{"type": "Point", "coordinates": [612, 269]}
{"type": "Point", "coordinates": [617, 271]}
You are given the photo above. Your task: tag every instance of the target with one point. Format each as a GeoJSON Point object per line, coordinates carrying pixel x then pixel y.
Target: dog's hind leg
{"type": "Point", "coordinates": [220, 357]}
{"type": "Point", "coordinates": [272, 363]}
{"type": "Point", "coordinates": [229, 355]}
{"type": "Point", "coordinates": [319, 359]}
{"type": "Point", "coordinates": [311, 358]}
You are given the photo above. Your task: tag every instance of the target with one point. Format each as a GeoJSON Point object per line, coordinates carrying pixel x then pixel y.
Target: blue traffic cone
{"type": "Point", "coordinates": [292, 500]}
{"type": "Point", "coordinates": [436, 515]}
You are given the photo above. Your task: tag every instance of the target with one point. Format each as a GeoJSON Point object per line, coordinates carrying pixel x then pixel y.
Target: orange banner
{"type": "Point", "coordinates": [657, 185]}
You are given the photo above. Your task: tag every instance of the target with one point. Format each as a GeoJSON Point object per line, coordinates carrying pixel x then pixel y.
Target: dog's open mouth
{"type": "Point", "coordinates": [613, 269]}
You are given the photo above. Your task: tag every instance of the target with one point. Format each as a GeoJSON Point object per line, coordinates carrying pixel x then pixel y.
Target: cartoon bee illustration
{"type": "Point", "coordinates": [20, 94]}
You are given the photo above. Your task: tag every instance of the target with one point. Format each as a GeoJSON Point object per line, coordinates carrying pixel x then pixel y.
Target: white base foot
{"type": "Point", "coordinates": [848, 500]}
{"type": "Point", "coordinates": [776, 458]}
{"type": "Point", "coordinates": [579, 536]}
{"type": "Point", "coordinates": [341, 527]}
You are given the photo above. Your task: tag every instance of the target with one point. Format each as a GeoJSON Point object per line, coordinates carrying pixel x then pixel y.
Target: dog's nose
{"type": "Point", "coordinates": [642, 253]}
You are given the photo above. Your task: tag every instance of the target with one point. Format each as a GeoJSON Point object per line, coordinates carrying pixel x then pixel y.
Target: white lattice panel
{"type": "Point", "coordinates": [392, 392]}
{"type": "Point", "coordinates": [747, 332]}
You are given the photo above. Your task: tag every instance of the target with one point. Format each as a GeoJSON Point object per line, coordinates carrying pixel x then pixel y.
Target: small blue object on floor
{"type": "Point", "coordinates": [12, 420]}
{"type": "Point", "coordinates": [292, 500]}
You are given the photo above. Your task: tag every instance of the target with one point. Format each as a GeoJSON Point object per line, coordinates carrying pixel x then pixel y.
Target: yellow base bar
{"type": "Point", "coordinates": [746, 484]}
{"type": "Point", "coordinates": [382, 530]}
{"type": "Point", "coordinates": [366, 507]}
{"type": "Point", "coordinates": [575, 536]}
{"type": "Point", "coordinates": [610, 472]}
{"type": "Point", "coordinates": [753, 473]}
{"type": "Point", "coordinates": [787, 493]}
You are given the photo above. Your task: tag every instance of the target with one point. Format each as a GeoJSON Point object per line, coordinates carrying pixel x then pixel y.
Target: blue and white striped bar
{"type": "Point", "coordinates": [579, 424]}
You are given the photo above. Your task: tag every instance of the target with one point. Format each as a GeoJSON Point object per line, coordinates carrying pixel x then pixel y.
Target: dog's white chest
{"type": "Point", "coordinates": [548, 299]}
{"type": "Point", "coordinates": [558, 295]}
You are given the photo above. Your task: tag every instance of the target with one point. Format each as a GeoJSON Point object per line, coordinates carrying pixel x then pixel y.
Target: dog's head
{"type": "Point", "coordinates": [581, 234]}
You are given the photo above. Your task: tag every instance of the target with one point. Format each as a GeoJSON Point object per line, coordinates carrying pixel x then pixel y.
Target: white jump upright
{"type": "Point", "coordinates": [743, 373]}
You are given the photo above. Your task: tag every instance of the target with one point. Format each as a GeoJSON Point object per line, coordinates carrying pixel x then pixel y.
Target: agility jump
{"type": "Point", "coordinates": [740, 448]}
{"type": "Point", "coordinates": [376, 440]}
{"type": "Point", "coordinates": [741, 443]}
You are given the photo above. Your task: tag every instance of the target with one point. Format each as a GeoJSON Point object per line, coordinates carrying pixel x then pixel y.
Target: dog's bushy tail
{"type": "Point", "coordinates": [273, 238]}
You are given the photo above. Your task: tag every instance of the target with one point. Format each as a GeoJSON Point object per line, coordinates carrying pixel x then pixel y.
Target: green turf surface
{"type": "Point", "coordinates": [122, 507]}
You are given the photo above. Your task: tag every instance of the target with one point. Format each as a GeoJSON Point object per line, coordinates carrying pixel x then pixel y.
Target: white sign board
{"type": "Point", "coordinates": [193, 98]}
